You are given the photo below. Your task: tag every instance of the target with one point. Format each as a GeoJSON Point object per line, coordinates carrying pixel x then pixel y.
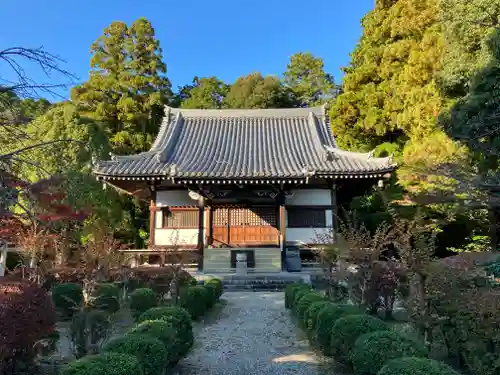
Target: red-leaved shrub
{"type": "Point", "coordinates": [27, 315]}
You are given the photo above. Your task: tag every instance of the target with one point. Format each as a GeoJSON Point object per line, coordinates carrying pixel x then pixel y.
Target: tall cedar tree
{"type": "Point", "coordinates": [127, 87]}
{"type": "Point", "coordinates": [306, 77]}
{"type": "Point", "coordinates": [471, 76]}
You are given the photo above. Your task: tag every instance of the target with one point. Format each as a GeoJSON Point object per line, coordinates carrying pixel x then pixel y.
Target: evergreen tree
{"type": "Point", "coordinates": [204, 93]}
{"type": "Point", "coordinates": [127, 87]}
{"type": "Point", "coordinates": [306, 77]}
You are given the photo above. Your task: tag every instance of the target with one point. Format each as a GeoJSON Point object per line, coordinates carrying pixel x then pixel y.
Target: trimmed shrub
{"type": "Point", "coordinates": [290, 291]}
{"type": "Point", "coordinates": [88, 330]}
{"type": "Point", "coordinates": [218, 284]}
{"type": "Point", "coordinates": [150, 351]}
{"type": "Point", "coordinates": [347, 329]}
{"type": "Point", "coordinates": [141, 300]}
{"type": "Point", "coordinates": [212, 295]}
{"type": "Point", "coordinates": [299, 293]}
{"type": "Point", "coordinates": [67, 297]}
{"type": "Point", "coordinates": [194, 300]}
{"type": "Point", "coordinates": [106, 297]}
{"type": "Point", "coordinates": [180, 320]}
{"type": "Point", "coordinates": [327, 318]}
{"type": "Point", "coordinates": [305, 301]}
{"type": "Point", "coordinates": [311, 314]}
{"type": "Point", "coordinates": [192, 281]}
{"type": "Point", "coordinates": [373, 350]}
{"type": "Point", "coordinates": [104, 364]}
{"type": "Point", "coordinates": [416, 366]}
{"type": "Point", "coordinates": [166, 333]}
{"type": "Point", "coordinates": [27, 315]}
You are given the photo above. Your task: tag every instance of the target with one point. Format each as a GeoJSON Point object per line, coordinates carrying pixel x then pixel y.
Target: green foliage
{"type": "Point", "coordinates": [217, 283]}
{"type": "Point", "coordinates": [204, 93]}
{"type": "Point", "coordinates": [305, 301]}
{"type": "Point", "coordinates": [326, 320]}
{"type": "Point", "coordinates": [180, 319]}
{"type": "Point", "coordinates": [149, 351]}
{"type": "Point", "coordinates": [106, 297]}
{"type": "Point", "coordinates": [212, 295]}
{"type": "Point", "coordinates": [257, 91]}
{"type": "Point", "coordinates": [88, 331]}
{"type": "Point", "coordinates": [166, 333]}
{"type": "Point", "coordinates": [372, 350]}
{"type": "Point", "coordinates": [141, 300]}
{"type": "Point", "coordinates": [127, 87]}
{"type": "Point", "coordinates": [68, 298]}
{"type": "Point", "coordinates": [104, 364]}
{"type": "Point", "coordinates": [347, 329]}
{"type": "Point", "coordinates": [311, 314]}
{"type": "Point", "coordinates": [194, 300]}
{"type": "Point", "coordinates": [306, 77]}
{"type": "Point", "coordinates": [416, 366]}
{"type": "Point", "coordinates": [290, 291]}
{"type": "Point", "coordinates": [493, 268]}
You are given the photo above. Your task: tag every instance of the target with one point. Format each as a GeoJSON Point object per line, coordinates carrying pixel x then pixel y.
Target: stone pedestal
{"type": "Point", "coordinates": [241, 264]}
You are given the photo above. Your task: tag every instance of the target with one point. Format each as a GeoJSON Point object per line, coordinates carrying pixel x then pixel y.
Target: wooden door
{"type": "Point", "coordinates": [254, 226]}
{"type": "Point", "coordinates": [220, 222]}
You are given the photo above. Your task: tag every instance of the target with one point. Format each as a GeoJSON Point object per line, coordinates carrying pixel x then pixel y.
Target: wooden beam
{"type": "Point", "coordinates": [152, 217]}
{"type": "Point", "coordinates": [201, 229]}
{"type": "Point", "coordinates": [210, 234]}
{"type": "Point", "coordinates": [333, 198]}
{"type": "Point", "coordinates": [282, 225]}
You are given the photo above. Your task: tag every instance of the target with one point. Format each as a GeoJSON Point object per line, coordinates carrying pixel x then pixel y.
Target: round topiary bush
{"type": "Point", "coordinates": [373, 350]}
{"type": "Point", "coordinates": [180, 320]}
{"type": "Point", "coordinates": [104, 364]}
{"type": "Point", "coordinates": [290, 291]}
{"type": "Point", "coordinates": [212, 294]}
{"type": "Point", "coordinates": [194, 299]}
{"type": "Point", "coordinates": [141, 300]}
{"type": "Point", "coordinates": [305, 301]}
{"type": "Point", "coordinates": [311, 314]}
{"type": "Point", "coordinates": [67, 297]}
{"type": "Point", "coordinates": [106, 297]}
{"type": "Point", "coordinates": [327, 318]}
{"type": "Point", "coordinates": [150, 351]}
{"type": "Point", "coordinates": [416, 366]}
{"type": "Point", "coordinates": [163, 331]}
{"type": "Point", "coordinates": [347, 329]}
{"type": "Point", "coordinates": [218, 284]}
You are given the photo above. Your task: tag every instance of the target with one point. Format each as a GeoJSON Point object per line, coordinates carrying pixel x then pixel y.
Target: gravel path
{"type": "Point", "coordinates": [253, 334]}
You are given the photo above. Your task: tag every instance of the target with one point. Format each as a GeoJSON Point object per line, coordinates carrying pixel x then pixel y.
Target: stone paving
{"type": "Point", "coordinates": [253, 334]}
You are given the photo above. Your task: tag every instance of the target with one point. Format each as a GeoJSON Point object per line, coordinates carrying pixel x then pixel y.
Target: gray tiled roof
{"type": "Point", "coordinates": [230, 143]}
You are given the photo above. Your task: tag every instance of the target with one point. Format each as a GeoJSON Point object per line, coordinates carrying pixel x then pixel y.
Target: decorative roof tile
{"type": "Point", "coordinates": [244, 143]}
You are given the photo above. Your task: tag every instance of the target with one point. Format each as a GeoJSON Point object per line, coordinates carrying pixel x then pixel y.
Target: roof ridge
{"type": "Point", "coordinates": [237, 112]}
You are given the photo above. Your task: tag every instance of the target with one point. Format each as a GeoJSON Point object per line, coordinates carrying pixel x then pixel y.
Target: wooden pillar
{"type": "Point", "coordinates": [152, 217]}
{"type": "Point", "coordinates": [201, 229]}
{"type": "Point", "coordinates": [333, 198]}
{"type": "Point", "coordinates": [210, 226]}
{"type": "Point", "coordinates": [282, 226]}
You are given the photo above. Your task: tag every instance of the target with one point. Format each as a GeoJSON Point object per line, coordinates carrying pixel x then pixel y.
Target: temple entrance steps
{"type": "Point", "coordinates": [257, 281]}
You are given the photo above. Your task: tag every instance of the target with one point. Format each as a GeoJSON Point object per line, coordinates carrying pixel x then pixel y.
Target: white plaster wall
{"type": "Point", "coordinates": [165, 237]}
{"type": "Point", "coordinates": [309, 235]}
{"type": "Point", "coordinates": [309, 197]}
{"type": "Point", "coordinates": [166, 198]}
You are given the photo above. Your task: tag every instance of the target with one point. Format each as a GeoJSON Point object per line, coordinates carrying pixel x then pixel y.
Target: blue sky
{"type": "Point", "coordinates": [223, 38]}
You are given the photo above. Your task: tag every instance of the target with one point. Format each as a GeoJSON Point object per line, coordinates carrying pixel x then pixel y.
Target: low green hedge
{"type": "Point", "coordinates": [179, 318]}
{"type": "Point", "coordinates": [104, 364]}
{"type": "Point", "coordinates": [305, 301]}
{"type": "Point", "coordinates": [347, 329]}
{"type": "Point", "coordinates": [212, 295]}
{"type": "Point", "coordinates": [141, 300]}
{"type": "Point", "coordinates": [194, 300]}
{"type": "Point", "coordinates": [106, 297]}
{"type": "Point", "coordinates": [290, 291]}
{"type": "Point", "coordinates": [166, 333]}
{"type": "Point", "coordinates": [327, 318]}
{"type": "Point", "coordinates": [373, 350]}
{"type": "Point", "coordinates": [150, 351]}
{"type": "Point", "coordinates": [298, 294]}
{"type": "Point", "coordinates": [416, 366]}
{"type": "Point", "coordinates": [67, 298]}
{"type": "Point", "coordinates": [311, 314]}
{"type": "Point", "coordinates": [218, 284]}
